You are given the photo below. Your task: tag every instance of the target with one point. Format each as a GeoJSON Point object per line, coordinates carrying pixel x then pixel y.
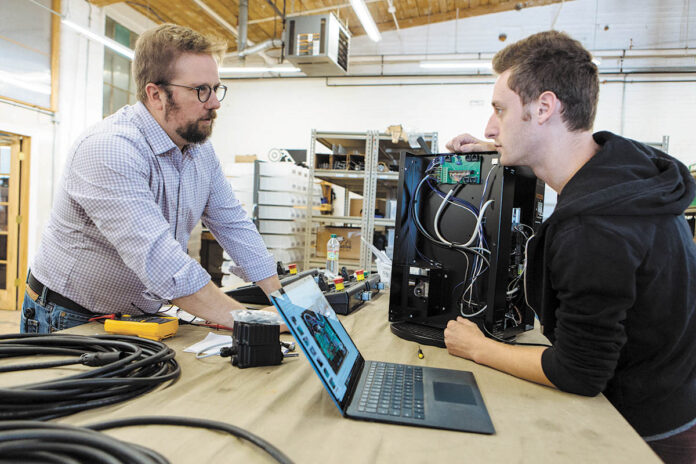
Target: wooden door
{"type": "Point", "coordinates": [14, 176]}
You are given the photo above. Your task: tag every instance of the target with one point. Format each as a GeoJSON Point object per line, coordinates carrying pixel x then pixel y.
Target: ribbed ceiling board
{"type": "Point", "coordinates": [264, 23]}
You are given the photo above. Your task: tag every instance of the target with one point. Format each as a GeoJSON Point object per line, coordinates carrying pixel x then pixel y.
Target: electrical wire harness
{"type": "Point", "coordinates": [35, 441]}
{"type": "Point", "coordinates": [476, 246]}
{"type": "Point", "coordinates": [125, 367]}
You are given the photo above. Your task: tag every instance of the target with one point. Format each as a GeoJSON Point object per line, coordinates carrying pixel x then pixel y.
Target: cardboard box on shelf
{"type": "Point", "coordinates": [356, 206]}
{"type": "Point", "coordinates": [348, 237]}
{"type": "Point", "coordinates": [245, 158]}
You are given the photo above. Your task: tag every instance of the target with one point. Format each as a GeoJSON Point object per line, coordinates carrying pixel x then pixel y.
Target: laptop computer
{"type": "Point", "coordinates": [371, 390]}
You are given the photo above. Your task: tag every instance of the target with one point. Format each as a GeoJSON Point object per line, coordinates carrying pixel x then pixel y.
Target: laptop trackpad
{"type": "Point", "coordinates": [453, 393]}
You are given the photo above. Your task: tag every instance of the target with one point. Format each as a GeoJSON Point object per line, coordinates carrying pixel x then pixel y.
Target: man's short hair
{"type": "Point", "coordinates": [157, 50]}
{"type": "Point", "coordinates": [553, 61]}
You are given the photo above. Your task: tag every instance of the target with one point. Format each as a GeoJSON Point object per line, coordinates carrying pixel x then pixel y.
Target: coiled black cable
{"type": "Point", "coordinates": [34, 441]}
{"type": "Point", "coordinates": [126, 367]}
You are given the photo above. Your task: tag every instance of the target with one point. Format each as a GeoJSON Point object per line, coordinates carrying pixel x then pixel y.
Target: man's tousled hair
{"type": "Point", "coordinates": [553, 61]}
{"type": "Point", "coordinates": [157, 50]}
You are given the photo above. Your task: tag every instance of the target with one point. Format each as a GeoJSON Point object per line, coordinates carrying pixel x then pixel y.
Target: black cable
{"type": "Point", "coordinates": [416, 219]}
{"type": "Point", "coordinates": [36, 441]}
{"type": "Point", "coordinates": [508, 342]}
{"type": "Point", "coordinates": [200, 423]}
{"type": "Point", "coordinates": [124, 367]}
{"type": "Point", "coordinates": [32, 441]}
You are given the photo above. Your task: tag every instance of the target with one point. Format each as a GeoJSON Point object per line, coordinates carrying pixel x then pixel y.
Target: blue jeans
{"type": "Point", "coordinates": [44, 317]}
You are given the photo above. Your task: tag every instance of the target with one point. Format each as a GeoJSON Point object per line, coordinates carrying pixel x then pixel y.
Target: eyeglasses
{"type": "Point", "coordinates": [204, 91]}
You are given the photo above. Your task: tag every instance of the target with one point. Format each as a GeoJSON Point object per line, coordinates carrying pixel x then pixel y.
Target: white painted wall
{"type": "Point", "coordinates": [258, 115]}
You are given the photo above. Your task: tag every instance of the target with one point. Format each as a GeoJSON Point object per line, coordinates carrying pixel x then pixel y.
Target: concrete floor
{"type": "Point", "coordinates": [9, 321]}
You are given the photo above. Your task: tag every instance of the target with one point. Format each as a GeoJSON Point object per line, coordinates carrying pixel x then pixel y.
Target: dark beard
{"type": "Point", "coordinates": [192, 133]}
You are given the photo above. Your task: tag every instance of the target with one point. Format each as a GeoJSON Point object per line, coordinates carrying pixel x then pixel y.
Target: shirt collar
{"type": "Point", "coordinates": [192, 149]}
{"type": "Point", "coordinates": [156, 137]}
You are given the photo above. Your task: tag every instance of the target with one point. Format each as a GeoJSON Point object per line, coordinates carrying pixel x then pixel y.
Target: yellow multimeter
{"type": "Point", "coordinates": [150, 327]}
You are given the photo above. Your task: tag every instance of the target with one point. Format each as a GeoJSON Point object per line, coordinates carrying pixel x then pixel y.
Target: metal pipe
{"type": "Point", "coordinates": [604, 54]}
{"type": "Point", "coordinates": [27, 107]}
{"type": "Point", "coordinates": [392, 9]}
{"type": "Point", "coordinates": [483, 81]}
{"type": "Point", "coordinates": [258, 48]}
{"type": "Point", "coordinates": [242, 23]}
{"type": "Point", "coordinates": [229, 27]}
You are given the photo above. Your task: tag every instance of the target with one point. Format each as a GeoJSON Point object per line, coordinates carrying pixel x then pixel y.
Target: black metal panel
{"type": "Point", "coordinates": [420, 266]}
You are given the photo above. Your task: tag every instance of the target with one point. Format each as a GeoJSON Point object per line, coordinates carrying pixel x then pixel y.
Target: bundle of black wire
{"type": "Point", "coordinates": [34, 441]}
{"type": "Point", "coordinates": [415, 215]}
{"type": "Point", "coordinates": [125, 367]}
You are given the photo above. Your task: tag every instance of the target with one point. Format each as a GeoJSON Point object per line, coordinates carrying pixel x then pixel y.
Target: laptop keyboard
{"type": "Point", "coordinates": [393, 390]}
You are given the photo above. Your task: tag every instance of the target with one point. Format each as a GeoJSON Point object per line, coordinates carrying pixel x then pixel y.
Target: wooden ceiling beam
{"type": "Point", "coordinates": [266, 30]}
{"type": "Point", "coordinates": [151, 13]}
{"type": "Point", "coordinates": [469, 12]}
{"type": "Point", "coordinates": [104, 2]}
{"type": "Point", "coordinates": [340, 8]}
{"type": "Point", "coordinates": [264, 22]}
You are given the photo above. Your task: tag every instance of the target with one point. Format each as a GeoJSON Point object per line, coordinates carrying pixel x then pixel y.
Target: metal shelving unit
{"type": "Point", "coordinates": [353, 180]}
{"type": "Point", "coordinates": [378, 154]}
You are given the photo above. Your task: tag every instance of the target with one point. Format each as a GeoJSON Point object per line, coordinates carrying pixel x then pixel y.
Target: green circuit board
{"type": "Point", "coordinates": [459, 169]}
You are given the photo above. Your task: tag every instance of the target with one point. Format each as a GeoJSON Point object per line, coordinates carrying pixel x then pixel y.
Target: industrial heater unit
{"type": "Point", "coordinates": [318, 45]}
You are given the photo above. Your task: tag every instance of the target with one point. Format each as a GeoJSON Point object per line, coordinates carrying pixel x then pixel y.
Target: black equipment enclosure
{"type": "Point", "coordinates": [428, 280]}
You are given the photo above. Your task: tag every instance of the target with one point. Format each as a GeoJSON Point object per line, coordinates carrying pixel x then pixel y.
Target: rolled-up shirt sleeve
{"type": "Point", "coordinates": [110, 181]}
{"type": "Point", "coordinates": [237, 234]}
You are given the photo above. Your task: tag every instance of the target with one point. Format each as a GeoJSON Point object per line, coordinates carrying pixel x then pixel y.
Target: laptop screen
{"type": "Point", "coordinates": [318, 331]}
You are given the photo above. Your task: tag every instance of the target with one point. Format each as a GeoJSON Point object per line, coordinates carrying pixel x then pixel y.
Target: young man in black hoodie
{"type": "Point", "coordinates": [612, 272]}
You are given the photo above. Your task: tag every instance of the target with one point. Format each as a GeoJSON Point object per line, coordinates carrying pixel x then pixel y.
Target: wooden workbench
{"type": "Point", "coordinates": [287, 405]}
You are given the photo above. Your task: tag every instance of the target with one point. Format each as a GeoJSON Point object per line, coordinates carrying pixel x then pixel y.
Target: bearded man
{"type": "Point", "coordinates": [134, 187]}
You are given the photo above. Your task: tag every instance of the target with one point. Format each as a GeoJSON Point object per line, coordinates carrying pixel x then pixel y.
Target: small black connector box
{"type": "Point", "coordinates": [255, 345]}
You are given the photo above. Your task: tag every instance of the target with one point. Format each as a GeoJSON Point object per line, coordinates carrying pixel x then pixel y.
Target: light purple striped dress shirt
{"type": "Point", "coordinates": [117, 237]}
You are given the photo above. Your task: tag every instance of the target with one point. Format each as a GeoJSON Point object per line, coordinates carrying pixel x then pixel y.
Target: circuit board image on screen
{"type": "Point", "coordinates": [324, 334]}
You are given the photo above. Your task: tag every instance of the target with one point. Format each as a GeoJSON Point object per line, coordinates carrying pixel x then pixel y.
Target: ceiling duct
{"type": "Point", "coordinates": [318, 45]}
{"type": "Point", "coordinates": [242, 22]}
{"type": "Point", "coordinates": [258, 48]}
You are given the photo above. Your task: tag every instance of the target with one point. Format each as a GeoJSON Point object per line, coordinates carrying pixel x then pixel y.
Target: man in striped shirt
{"type": "Point", "coordinates": [134, 187]}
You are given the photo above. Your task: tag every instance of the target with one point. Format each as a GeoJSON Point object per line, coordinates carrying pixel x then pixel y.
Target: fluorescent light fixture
{"type": "Point", "coordinates": [107, 42]}
{"type": "Point", "coordinates": [471, 64]}
{"type": "Point", "coordinates": [366, 20]}
{"type": "Point", "coordinates": [257, 70]}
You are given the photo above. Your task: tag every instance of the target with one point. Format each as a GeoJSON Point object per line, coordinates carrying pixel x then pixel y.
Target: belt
{"type": "Point", "coordinates": [53, 297]}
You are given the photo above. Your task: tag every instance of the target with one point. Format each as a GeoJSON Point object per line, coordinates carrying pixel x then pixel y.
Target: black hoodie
{"type": "Point", "coordinates": [612, 273]}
